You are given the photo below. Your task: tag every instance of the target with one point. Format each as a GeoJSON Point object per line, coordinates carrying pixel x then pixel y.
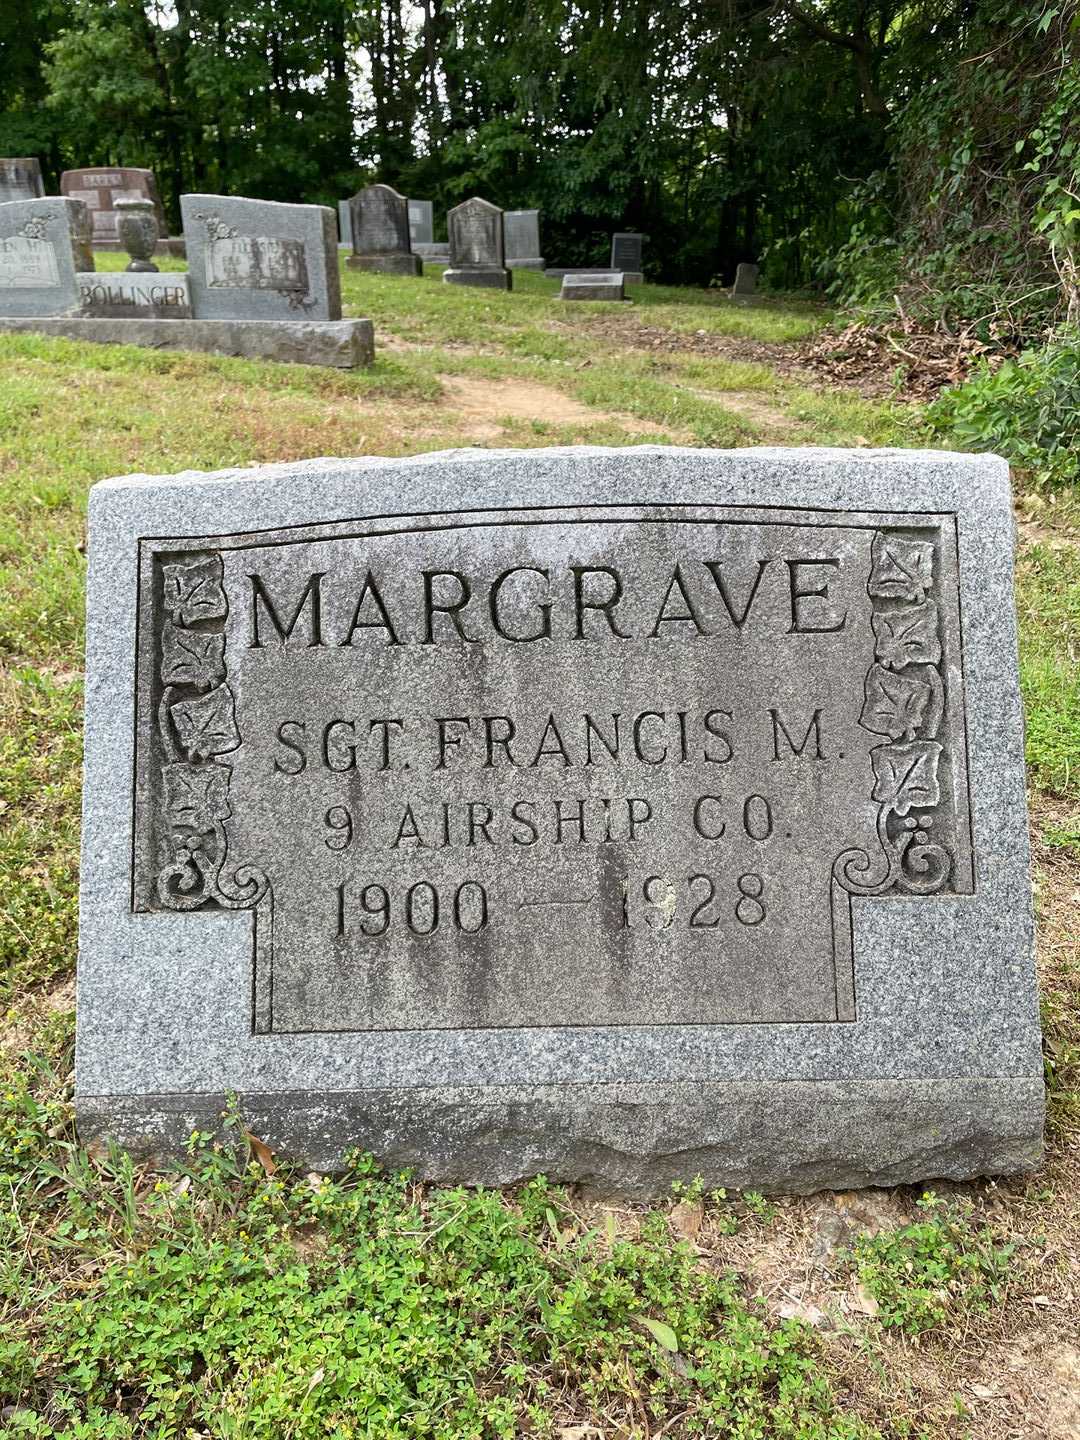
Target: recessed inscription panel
{"type": "Point", "coordinates": [552, 769]}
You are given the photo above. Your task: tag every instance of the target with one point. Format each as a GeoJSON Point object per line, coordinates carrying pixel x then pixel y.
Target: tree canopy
{"type": "Point", "coordinates": [871, 141]}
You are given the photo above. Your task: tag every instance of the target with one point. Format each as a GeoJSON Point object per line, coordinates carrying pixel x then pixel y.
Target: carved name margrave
{"type": "Point", "coordinates": [476, 246]}
{"type": "Point", "coordinates": [40, 253]}
{"type": "Point", "coordinates": [379, 221]}
{"type": "Point", "coordinates": [625, 815]}
{"type": "Point", "coordinates": [521, 229]}
{"type": "Point", "coordinates": [261, 260]}
{"type": "Point", "coordinates": [100, 188]}
{"type": "Point", "coordinates": [20, 179]}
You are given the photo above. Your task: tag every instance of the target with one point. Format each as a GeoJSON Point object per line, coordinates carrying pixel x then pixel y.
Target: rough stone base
{"type": "Point", "coordinates": [630, 1140]}
{"type": "Point", "coordinates": [537, 264]}
{"type": "Point", "coordinates": [494, 279]}
{"type": "Point", "coordinates": [387, 264]}
{"type": "Point", "coordinates": [344, 344]}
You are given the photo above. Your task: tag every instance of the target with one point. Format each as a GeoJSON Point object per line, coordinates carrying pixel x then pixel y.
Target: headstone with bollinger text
{"type": "Point", "coordinates": [476, 246]}
{"type": "Point", "coordinates": [624, 815]}
{"type": "Point", "coordinates": [379, 222]}
{"type": "Point", "coordinates": [260, 259]}
{"type": "Point", "coordinates": [41, 251]}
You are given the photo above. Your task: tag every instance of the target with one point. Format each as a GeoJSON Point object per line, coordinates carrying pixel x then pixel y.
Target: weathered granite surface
{"type": "Point", "coordinates": [521, 230]}
{"type": "Point", "coordinates": [99, 189]}
{"type": "Point", "coordinates": [261, 260]}
{"type": "Point", "coordinates": [343, 344]}
{"type": "Point", "coordinates": [136, 296]}
{"type": "Point", "coordinates": [625, 815]}
{"type": "Point", "coordinates": [592, 285]}
{"type": "Point", "coordinates": [41, 249]}
{"type": "Point", "coordinates": [379, 222]}
{"type": "Point", "coordinates": [476, 246]}
{"type": "Point", "coordinates": [559, 272]}
{"type": "Point", "coordinates": [745, 279]}
{"type": "Point", "coordinates": [421, 222]}
{"type": "Point", "coordinates": [344, 224]}
{"type": "Point", "coordinates": [626, 247]}
{"type": "Point", "coordinates": [20, 179]}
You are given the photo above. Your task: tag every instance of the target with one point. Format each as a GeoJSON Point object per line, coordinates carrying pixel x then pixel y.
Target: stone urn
{"type": "Point", "coordinates": [137, 230]}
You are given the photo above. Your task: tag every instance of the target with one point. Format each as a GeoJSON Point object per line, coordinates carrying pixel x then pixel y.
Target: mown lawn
{"type": "Point", "coordinates": [232, 1297]}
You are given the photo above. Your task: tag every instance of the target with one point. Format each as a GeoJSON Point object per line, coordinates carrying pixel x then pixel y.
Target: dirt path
{"type": "Point", "coordinates": [484, 405]}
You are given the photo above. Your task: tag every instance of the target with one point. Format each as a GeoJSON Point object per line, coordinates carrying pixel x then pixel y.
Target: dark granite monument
{"type": "Point", "coordinates": [623, 815]}
{"type": "Point", "coordinates": [99, 189]}
{"type": "Point", "coordinates": [626, 255]}
{"type": "Point", "coordinates": [379, 223]}
{"type": "Point", "coordinates": [476, 246]}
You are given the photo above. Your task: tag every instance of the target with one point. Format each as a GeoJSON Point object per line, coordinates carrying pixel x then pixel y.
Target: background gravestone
{"type": "Point", "coordinates": [379, 220]}
{"type": "Point", "coordinates": [99, 189]}
{"type": "Point", "coordinates": [20, 179]}
{"type": "Point", "coordinates": [592, 285]}
{"type": "Point", "coordinates": [421, 222]}
{"type": "Point", "coordinates": [745, 280]}
{"type": "Point", "coordinates": [261, 260]}
{"type": "Point", "coordinates": [622, 815]}
{"type": "Point", "coordinates": [344, 224]}
{"type": "Point", "coordinates": [626, 255]}
{"type": "Point", "coordinates": [476, 246]}
{"type": "Point", "coordinates": [40, 253]}
{"type": "Point", "coordinates": [521, 229]}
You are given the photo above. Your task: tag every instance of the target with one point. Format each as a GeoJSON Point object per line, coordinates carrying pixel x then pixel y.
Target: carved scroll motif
{"type": "Point", "coordinates": [196, 723]}
{"type": "Point", "coordinates": [904, 700]}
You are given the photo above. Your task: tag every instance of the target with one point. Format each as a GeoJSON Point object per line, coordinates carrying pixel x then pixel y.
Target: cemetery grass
{"type": "Point", "coordinates": [231, 1297]}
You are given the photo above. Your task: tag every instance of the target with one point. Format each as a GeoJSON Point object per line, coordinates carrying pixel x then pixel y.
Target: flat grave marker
{"type": "Point", "coordinates": [592, 285]}
{"type": "Point", "coordinates": [622, 815]}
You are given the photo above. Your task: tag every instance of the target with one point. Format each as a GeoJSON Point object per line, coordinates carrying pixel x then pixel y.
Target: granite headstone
{"type": "Point", "coordinates": [20, 179]}
{"type": "Point", "coordinates": [137, 295]}
{"type": "Point", "coordinates": [100, 188]}
{"type": "Point", "coordinates": [521, 229]}
{"type": "Point", "coordinates": [476, 246]}
{"type": "Point", "coordinates": [379, 220]}
{"type": "Point", "coordinates": [344, 224]}
{"type": "Point", "coordinates": [745, 280]}
{"type": "Point", "coordinates": [260, 259]}
{"type": "Point", "coordinates": [40, 253]}
{"type": "Point", "coordinates": [623, 815]}
{"type": "Point", "coordinates": [421, 222]}
{"type": "Point", "coordinates": [592, 285]}
{"type": "Point", "coordinates": [626, 247]}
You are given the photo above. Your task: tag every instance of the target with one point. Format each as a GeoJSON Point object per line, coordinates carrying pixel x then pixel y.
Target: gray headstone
{"type": "Point", "coordinates": [380, 233]}
{"type": "Point", "coordinates": [626, 251]}
{"type": "Point", "coordinates": [476, 246]}
{"type": "Point", "coordinates": [521, 229]}
{"type": "Point", "coordinates": [745, 279]}
{"type": "Point", "coordinates": [623, 815]}
{"type": "Point", "coordinates": [344, 224]}
{"type": "Point", "coordinates": [138, 296]}
{"type": "Point", "coordinates": [421, 222]}
{"type": "Point", "coordinates": [261, 260]}
{"type": "Point", "coordinates": [99, 189]}
{"type": "Point", "coordinates": [20, 179]}
{"type": "Point", "coordinates": [40, 253]}
{"type": "Point", "coordinates": [593, 285]}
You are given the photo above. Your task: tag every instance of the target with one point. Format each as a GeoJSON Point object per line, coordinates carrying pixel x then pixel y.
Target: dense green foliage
{"type": "Point", "coordinates": [878, 144]}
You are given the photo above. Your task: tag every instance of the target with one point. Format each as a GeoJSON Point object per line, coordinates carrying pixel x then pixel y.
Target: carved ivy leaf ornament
{"type": "Point", "coordinates": [206, 725]}
{"type": "Point", "coordinates": [901, 569]}
{"type": "Point", "coordinates": [894, 705]}
{"type": "Point", "coordinates": [908, 636]}
{"type": "Point", "coordinates": [907, 775]}
{"type": "Point", "coordinates": [191, 657]}
{"type": "Point", "coordinates": [197, 795]}
{"type": "Point", "coordinates": [194, 591]}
